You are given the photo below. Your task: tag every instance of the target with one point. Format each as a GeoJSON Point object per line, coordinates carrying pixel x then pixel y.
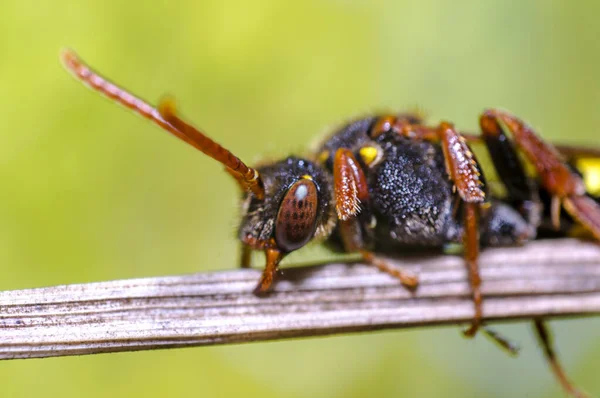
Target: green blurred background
{"type": "Point", "coordinates": [90, 192]}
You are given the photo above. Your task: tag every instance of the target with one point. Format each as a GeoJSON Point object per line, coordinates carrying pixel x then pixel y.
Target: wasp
{"type": "Point", "coordinates": [391, 183]}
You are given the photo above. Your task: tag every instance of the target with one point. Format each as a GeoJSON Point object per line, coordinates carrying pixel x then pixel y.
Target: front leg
{"type": "Point", "coordinates": [273, 258]}
{"type": "Point", "coordinates": [351, 196]}
{"type": "Point", "coordinates": [350, 184]}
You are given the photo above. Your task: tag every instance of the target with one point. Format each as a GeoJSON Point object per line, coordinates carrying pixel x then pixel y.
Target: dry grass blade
{"type": "Point", "coordinates": [545, 278]}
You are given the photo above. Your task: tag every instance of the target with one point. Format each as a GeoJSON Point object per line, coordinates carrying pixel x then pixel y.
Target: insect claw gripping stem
{"type": "Point", "coordinates": [408, 280]}
{"type": "Point", "coordinates": [164, 117]}
{"type": "Point", "coordinates": [273, 257]}
{"type": "Point", "coordinates": [471, 244]}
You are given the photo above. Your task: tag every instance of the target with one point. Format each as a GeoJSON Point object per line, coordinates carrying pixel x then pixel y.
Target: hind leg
{"type": "Point", "coordinates": [567, 188]}
{"type": "Point", "coordinates": [556, 178]}
{"type": "Point", "coordinates": [504, 226]}
{"type": "Point", "coordinates": [545, 340]}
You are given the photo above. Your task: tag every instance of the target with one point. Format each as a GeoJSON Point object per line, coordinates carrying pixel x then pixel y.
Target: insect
{"type": "Point", "coordinates": [386, 183]}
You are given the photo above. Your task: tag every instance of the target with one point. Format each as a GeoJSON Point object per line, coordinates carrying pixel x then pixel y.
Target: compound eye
{"type": "Point", "coordinates": [297, 216]}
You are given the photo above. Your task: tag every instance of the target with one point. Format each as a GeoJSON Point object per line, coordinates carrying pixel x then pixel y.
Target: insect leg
{"type": "Point", "coordinates": [353, 241]}
{"type": "Point", "coordinates": [350, 186]}
{"type": "Point", "coordinates": [464, 172]}
{"type": "Point", "coordinates": [471, 244]}
{"type": "Point", "coordinates": [245, 256]}
{"type": "Point", "coordinates": [566, 187]}
{"type": "Point", "coordinates": [545, 339]}
{"type": "Point", "coordinates": [273, 257]}
{"type": "Point", "coordinates": [463, 169]}
{"type": "Point", "coordinates": [468, 181]}
{"type": "Point", "coordinates": [404, 124]}
{"type": "Point", "coordinates": [522, 190]}
{"type": "Point", "coordinates": [407, 279]}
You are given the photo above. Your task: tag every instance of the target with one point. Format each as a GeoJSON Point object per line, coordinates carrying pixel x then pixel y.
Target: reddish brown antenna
{"type": "Point", "coordinates": [166, 118]}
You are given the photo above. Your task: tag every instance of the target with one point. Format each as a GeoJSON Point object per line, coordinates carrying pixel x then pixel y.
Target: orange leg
{"type": "Point", "coordinates": [353, 241]}
{"type": "Point", "coordinates": [463, 169]}
{"type": "Point", "coordinates": [566, 187]}
{"type": "Point", "coordinates": [464, 172]}
{"type": "Point", "coordinates": [407, 279]}
{"type": "Point", "coordinates": [350, 186]}
{"type": "Point", "coordinates": [409, 127]}
{"type": "Point", "coordinates": [388, 123]}
{"type": "Point", "coordinates": [266, 280]}
{"type": "Point", "coordinates": [471, 245]}
{"type": "Point", "coordinates": [522, 190]}
{"type": "Point", "coordinates": [567, 190]}
{"type": "Point", "coordinates": [545, 340]}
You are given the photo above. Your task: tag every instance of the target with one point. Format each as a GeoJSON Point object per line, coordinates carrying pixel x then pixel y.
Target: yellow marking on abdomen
{"type": "Point", "coordinates": [590, 168]}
